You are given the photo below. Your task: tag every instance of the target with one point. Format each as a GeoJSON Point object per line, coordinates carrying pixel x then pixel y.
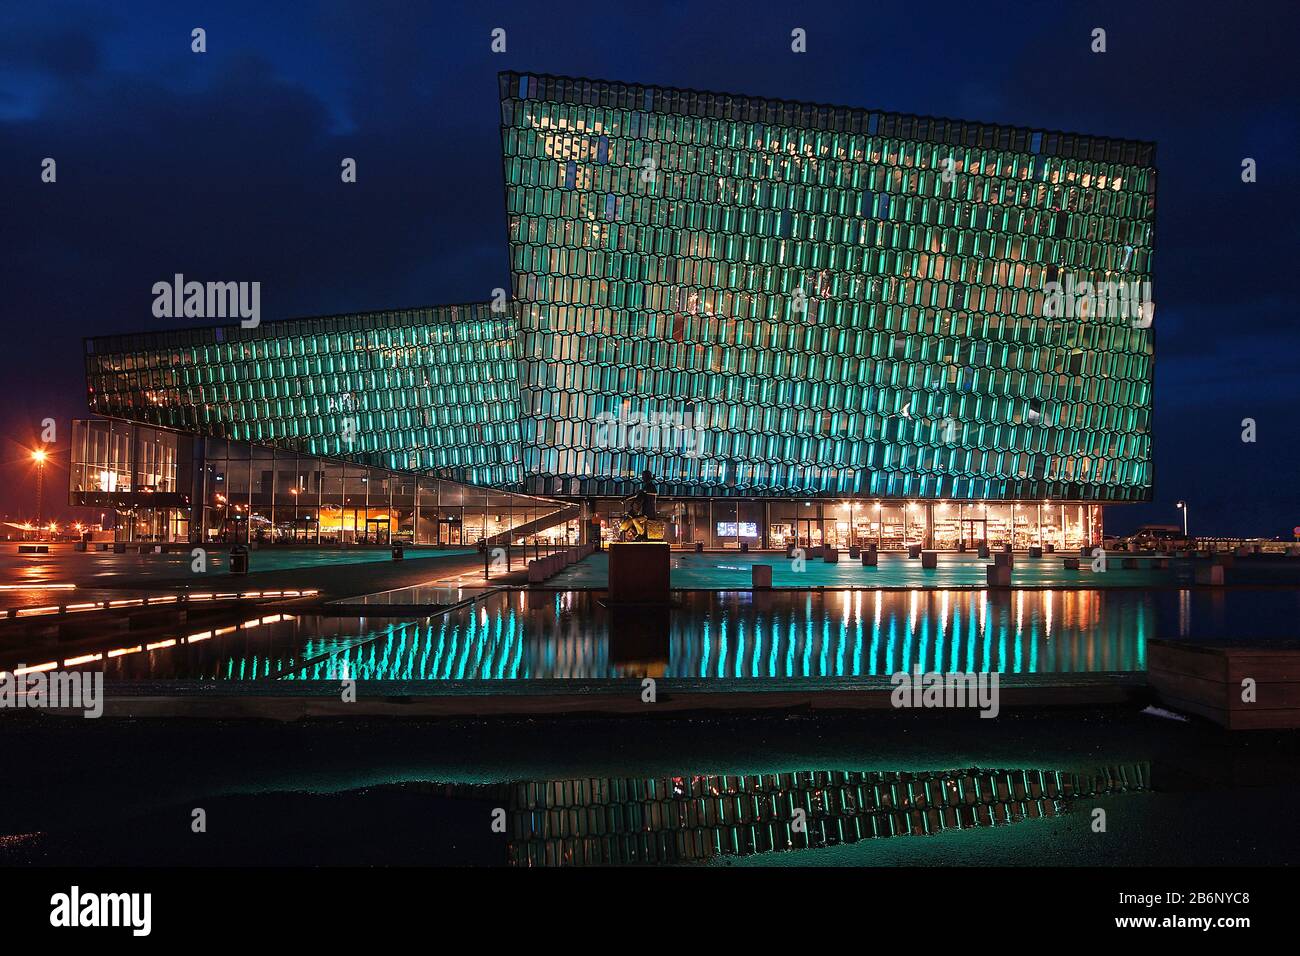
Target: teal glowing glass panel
{"type": "Point", "coordinates": [831, 300]}
{"type": "Point", "coordinates": [431, 390]}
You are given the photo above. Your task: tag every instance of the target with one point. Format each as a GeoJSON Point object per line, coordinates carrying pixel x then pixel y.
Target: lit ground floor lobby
{"type": "Point", "coordinates": [889, 525]}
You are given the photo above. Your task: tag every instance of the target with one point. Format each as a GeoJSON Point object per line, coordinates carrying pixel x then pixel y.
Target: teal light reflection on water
{"type": "Point", "coordinates": [516, 636]}
{"type": "Point", "coordinates": [738, 635]}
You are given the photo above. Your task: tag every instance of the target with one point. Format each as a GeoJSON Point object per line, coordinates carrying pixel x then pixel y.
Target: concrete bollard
{"type": "Point", "coordinates": [1211, 574]}
{"type": "Point", "coordinates": [535, 573]}
{"type": "Point", "coordinates": [913, 552]}
{"type": "Point", "coordinates": [1004, 558]}
{"type": "Point", "coordinates": [854, 553]}
{"type": "Point", "coordinates": [699, 547]}
{"type": "Point", "coordinates": [744, 547]}
{"type": "Point", "coordinates": [1071, 564]}
{"type": "Point", "coordinates": [929, 559]}
{"type": "Point", "coordinates": [869, 558]}
{"type": "Point", "coordinates": [983, 551]}
{"type": "Point", "coordinates": [1051, 548]}
{"type": "Point", "coordinates": [831, 555]}
{"type": "Point", "coordinates": [1035, 551]}
{"type": "Point", "coordinates": [998, 575]}
{"type": "Point", "coordinates": [761, 577]}
{"type": "Point", "coordinates": [814, 552]}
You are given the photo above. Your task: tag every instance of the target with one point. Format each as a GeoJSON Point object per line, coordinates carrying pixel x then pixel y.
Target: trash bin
{"type": "Point", "coordinates": [238, 560]}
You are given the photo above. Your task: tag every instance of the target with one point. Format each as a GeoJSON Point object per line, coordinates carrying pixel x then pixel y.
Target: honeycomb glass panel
{"type": "Point", "coordinates": [827, 301]}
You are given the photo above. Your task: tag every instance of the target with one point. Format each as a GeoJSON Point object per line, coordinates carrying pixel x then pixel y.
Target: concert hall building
{"type": "Point", "coordinates": [808, 322]}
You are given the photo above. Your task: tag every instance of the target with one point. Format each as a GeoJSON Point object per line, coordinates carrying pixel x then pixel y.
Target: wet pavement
{"type": "Point", "coordinates": [876, 790]}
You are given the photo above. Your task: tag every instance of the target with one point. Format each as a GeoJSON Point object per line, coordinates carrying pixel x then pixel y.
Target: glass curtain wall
{"type": "Point", "coordinates": [890, 525]}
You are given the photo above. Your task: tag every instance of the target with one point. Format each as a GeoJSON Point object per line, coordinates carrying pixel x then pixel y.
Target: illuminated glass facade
{"type": "Point", "coordinates": [839, 302]}
{"type": "Point", "coordinates": [430, 390]}
{"type": "Point", "coordinates": [811, 324]}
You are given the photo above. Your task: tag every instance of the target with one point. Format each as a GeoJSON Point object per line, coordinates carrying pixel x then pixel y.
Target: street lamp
{"type": "Point", "coordinates": [39, 457]}
{"type": "Point", "coordinates": [1182, 506]}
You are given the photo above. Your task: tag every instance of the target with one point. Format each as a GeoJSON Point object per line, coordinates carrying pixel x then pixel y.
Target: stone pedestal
{"type": "Point", "coordinates": [831, 555]}
{"type": "Point", "coordinates": [869, 558]}
{"type": "Point", "coordinates": [1004, 559]}
{"type": "Point", "coordinates": [1035, 551]}
{"type": "Point", "coordinates": [761, 577]}
{"type": "Point", "coordinates": [638, 572]}
{"type": "Point", "coordinates": [929, 559]}
{"type": "Point", "coordinates": [983, 551]}
{"type": "Point", "coordinates": [913, 551]}
{"type": "Point", "coordinates": [1072, 564]}
{"type": "Point", "coordinates": [998, 575]}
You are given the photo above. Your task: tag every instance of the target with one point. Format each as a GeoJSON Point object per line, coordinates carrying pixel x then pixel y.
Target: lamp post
{"type": "Point", "coordinates": [39, 457]}
{"type": "Point", "coordinates": [1182, 506]}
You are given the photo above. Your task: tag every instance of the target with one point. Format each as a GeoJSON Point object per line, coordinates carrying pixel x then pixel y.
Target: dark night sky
{"type": "Point", "coordinates": [226, 166]}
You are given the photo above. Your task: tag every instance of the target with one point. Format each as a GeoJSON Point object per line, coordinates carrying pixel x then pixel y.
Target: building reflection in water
{"type": "Point", "coordinates": [739, 635]}
{"type": "Point", "coordinates": [714, 636]}
{"type": "Point", "coordinates": [695, 818]}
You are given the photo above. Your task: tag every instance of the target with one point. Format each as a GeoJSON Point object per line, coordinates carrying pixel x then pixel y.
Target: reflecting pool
{"type": "Point", "coordinates": [730, 636]}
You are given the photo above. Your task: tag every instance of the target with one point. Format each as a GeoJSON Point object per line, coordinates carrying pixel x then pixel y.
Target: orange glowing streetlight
{"type": "Point", "coordinates": [39, 456]}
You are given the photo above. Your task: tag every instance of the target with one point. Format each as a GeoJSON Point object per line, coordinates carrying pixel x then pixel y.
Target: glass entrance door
{"type": "Point", "coordinates": [809, 531]}
{"type": "Point", "coordinates": [377, 531]}
{"type": "Point", "coordinates": [974, 531]}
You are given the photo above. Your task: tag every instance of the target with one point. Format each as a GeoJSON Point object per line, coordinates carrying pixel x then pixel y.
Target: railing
{"type": "Point", "coordinates": [545, 522]}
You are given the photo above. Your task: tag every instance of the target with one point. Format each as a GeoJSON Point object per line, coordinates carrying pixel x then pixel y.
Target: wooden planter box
{"type": "Point", "coordinates": [1206, 680]}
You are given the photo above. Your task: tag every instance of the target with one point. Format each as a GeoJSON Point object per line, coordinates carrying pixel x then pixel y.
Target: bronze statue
{"type": "Point", "coordinates": [640, 519]}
